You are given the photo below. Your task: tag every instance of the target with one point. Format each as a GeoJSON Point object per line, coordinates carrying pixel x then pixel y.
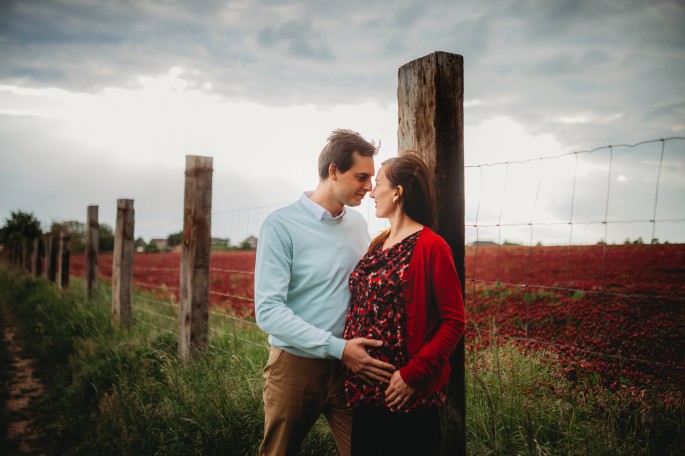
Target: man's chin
{"type": "Point", "coordinates": [354, 202]}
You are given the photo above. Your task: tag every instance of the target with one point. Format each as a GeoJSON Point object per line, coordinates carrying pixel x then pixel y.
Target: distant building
{"type": "Point", "coordinates": [249, 243]}
{"type": "Point", "coordinates": [161, 244]}
{"type": "Point", "coordinates": [220, 242]}
{"type": "Point", "coordinates": [481, 243]}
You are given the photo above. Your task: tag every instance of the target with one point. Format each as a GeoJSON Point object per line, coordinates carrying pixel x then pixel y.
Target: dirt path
{"type": "Point", "coordinates": [23, 387]}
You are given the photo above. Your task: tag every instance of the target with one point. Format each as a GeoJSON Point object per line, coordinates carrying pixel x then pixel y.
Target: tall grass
{"type": "Point", "coordinates": [127, 392]}
{"type": "Point", "coordinates": [518, 402]}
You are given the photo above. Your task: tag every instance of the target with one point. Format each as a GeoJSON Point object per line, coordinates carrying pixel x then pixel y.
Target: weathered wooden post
{"type": "Point", "coordinates": [26, 255]}
{"type": "Point", "coordinates": [197, 237]}
{"type": "Point", "coordinates": [92, 240]}
{"type": "Point", "coordinates": [431, 121]}
{"type": "Point", "coordinates": [64, 255]}
{"type": "Point", "coordinates": [37, 258]}
{"type": "Point", "coordinates": [51, 247]}
{"type": "Point", "coordinates": [122, 264]}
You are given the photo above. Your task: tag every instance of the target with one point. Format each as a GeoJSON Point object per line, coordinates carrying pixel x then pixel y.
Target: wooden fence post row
{"type": "Point", "coordinates": [431, 121]}
{"type": "Point", "coordinates": [194, 270]}
{"type": "Point", "coordinates": [122, 264]}
{"type": "Point", "coordinates": [194, 274]}
{"type": "Point", "coordinates": [92, 241]}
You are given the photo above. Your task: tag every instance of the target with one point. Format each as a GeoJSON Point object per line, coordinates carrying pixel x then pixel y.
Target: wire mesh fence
{"type": "Point", "coordinates": [549, 265]}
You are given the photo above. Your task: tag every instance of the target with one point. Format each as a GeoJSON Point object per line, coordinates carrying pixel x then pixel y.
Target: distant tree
{"type": "Point", "coordinates": [655, 240]}
{"type": "Point", "coordinates": [106, 238]}
{"type": "Point", "coordinates": [77, 233]}
{"type": "Point", "coordinates": [174, 239]}
{"type": "Point", "coordinates": [151, 247]}
{"type": "Point", "coordinates": [55, 227]}
{"type": "Point", "coordinates": [140, 244]}
{"type": "Point", "coordinates": [19, 227]}
{"type": "Point", "coordinates": [638, 241]}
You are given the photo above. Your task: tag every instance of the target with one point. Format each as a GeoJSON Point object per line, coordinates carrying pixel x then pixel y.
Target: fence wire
{"type": "Point", "coordinates": [583, 272]}
{"type": "Point", "coordinates": [603, 285]}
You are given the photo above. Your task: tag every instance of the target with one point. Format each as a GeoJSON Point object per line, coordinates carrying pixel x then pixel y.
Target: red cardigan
{"type": "Point", "coordinates": [435, 313]}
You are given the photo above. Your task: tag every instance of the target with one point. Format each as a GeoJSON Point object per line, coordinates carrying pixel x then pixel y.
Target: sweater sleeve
{"type": "Point", "coordinates": [272, 277]}
{"type": "Point", "coordinates": [446, 292]}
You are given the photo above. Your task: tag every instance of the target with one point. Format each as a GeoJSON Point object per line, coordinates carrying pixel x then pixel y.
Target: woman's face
{"type": "Point", "coordinates": [383, 194]}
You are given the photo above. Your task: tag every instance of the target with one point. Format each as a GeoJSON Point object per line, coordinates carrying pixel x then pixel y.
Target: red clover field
{"type": "Point", "coordinates": [613, 313]}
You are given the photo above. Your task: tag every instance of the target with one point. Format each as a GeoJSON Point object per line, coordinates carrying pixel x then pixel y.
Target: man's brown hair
{"type": "Point", "coordinates": [340, 148]}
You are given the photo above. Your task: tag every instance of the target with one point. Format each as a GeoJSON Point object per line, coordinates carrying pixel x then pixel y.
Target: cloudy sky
{"type": "Point", "coordinates": [101, 100]}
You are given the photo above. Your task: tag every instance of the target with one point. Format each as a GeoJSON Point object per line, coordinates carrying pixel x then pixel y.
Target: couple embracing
{"type": "Point", "coordinates": [359, 331]}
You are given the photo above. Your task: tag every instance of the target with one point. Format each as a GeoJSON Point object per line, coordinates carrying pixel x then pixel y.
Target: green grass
{"type": "Point", "coordinates": [519, 403]}
{"type": "Point", "coordinates": [516, 406]}
{"type": "Point", "coordinates": [127, 392]}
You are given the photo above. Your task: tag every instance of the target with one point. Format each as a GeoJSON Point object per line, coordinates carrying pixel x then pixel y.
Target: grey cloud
{"type": "Point", "coordinates": [618, 62]}
{"type": "Point", "coordinates": [60, 23]}
{"type": "Point", "coordinates": [550, 19]}
{"type": "Point", "coordinates": [299, 38]}
{"type": "Point", "coordinates": [357, 47]}
{"type": "Point", "coordinates": [81, 46]}
{"type": "Point", "coordinates": [667, 111]}
{"type": "Point", "coordinates": [567, 62]}
{"type": "Point", "coordinates": [602, 62]}
{"type": "Point", "coordinates": [409, 15]}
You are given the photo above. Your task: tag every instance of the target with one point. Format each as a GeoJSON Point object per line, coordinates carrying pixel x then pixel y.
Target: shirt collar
{"type": "Point", "coordinates": [318, 211]}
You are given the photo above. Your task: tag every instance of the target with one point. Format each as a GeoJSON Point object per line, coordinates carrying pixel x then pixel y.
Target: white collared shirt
{"type": "Point", "coordinates": [319, 211]}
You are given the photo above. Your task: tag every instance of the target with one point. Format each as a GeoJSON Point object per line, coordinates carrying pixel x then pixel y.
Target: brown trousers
{"type": "Point", "coordinates": [296, 391]}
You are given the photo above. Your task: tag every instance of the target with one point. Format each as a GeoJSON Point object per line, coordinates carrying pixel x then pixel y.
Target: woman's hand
{"type": "Point", "coordinates": [398, 393]}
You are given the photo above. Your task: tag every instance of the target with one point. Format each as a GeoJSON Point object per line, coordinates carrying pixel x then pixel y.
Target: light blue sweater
{"type": "Point", "coordinates": [303, 265]}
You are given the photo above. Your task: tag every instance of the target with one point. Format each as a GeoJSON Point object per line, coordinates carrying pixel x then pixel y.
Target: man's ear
{"type": "Point", "coordinates": [333, 172]}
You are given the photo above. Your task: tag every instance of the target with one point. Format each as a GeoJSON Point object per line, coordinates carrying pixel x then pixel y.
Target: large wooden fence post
{"type": "Point", "coordinates": [431, 121]}
{"type": "Point", "coordinates": [64, 255]}
{"type": "Point", "coordinates": [92, 241]}
{"type": "Point", "coordinates": [122, 264]}
{"type": "Point", "coordinates": [197, 240]}
{"type": "Point", "coordinates": [26, 255]}
{"type": "Point", "coordinates": [18, 258]}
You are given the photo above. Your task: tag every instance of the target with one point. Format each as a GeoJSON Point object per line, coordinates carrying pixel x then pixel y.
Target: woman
{"type": "Point", "coordinates": [406, 293]}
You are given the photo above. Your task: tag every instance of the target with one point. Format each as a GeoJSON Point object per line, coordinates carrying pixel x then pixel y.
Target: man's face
{"type": "Point", "coordinates": [352, 185]}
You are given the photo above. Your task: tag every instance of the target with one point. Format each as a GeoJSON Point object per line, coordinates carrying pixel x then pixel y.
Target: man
{"type": "Point", "coordinates": [305, 254]}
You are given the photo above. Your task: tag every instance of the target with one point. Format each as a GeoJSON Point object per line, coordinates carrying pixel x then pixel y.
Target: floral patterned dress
{"type": "Point", "coordinates": [377, 311]}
